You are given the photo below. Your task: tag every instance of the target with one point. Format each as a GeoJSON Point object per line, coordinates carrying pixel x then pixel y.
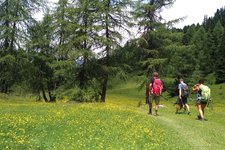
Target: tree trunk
{"type": "Point", "coordinates": [44, 95]}
{"type": "Point", "coordinates": [50, 86]}
{"type": "Point", "coordinates": [51, 97]}
{"type": "Point", "coordinates": [106, 76]}
{"type": "Point", "coordinates": [85, 56]}
{"type": "Point", "coordinates": [4, 86]}
{"type": "Point", "coordinates": [104, 88]}
{"type": "Point", "coordinates": [12, 38]}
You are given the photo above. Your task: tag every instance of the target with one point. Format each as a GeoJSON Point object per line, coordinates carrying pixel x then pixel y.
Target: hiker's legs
{"type": "Point", "coordinates": [199, 107]}
{"type": "Point", "coordinates": [147, 98]}
{"type": "Point", "coordinates": [203, 108]}
{"type": "Point", "coordinates": [156, 98]}
{"type": "Point", "coordinates": [150, 104]}
{"type": "Point", "coordinates": [185, 105]}
{"type": "Point", "coordinates": [177, 108]}
{"type": "Point", "coordinates": [188, 108]}
{"type": "Point", "coordinates": [177, 105]}
{"type": "Point", "coordinates": [150, 108]}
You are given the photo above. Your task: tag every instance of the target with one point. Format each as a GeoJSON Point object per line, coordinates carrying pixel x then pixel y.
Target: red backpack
{"type": "Point", "coordinates": [157, 87]}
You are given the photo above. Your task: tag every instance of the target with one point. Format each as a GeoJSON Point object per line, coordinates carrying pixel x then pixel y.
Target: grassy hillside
{"type": "Point", "coordinates": [120, 123]}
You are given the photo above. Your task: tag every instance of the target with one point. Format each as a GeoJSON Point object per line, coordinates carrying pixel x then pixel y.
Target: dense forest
{"type": "Point", "coordinates": [75, 50]}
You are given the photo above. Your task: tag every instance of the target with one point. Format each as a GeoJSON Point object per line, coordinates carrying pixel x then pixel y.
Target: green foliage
{"type": "Point", "coordinates": [188, 34]}
{"type": "Point", "coordinates": [79, 95]}
{"type": "Point", "coordinates": [181, 61]}
{"type": "Point", "coordinates": [148, 13]}
{"type": "Point", "coordinates": [7, 76]}
{"type": "Point", "coordinates": [211, 78]}
{"type": "Point", "coordinates": [16, 17]}
{"type": "Point", "coordinates": [219, 62]}
{"type": "Point", "coordinates": [196, 75]}
{"type": "Point", "coordinates": [90, 93]}
{"type": "Point", "coordinates": [171, 86]}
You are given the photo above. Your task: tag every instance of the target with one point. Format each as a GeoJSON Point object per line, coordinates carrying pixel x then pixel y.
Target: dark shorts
{"type": "Point", "coordinates": [156, 98]}
{"type": "Point", "coordinates": [181, 101]}
{"type": "Point", "coordinates": [199, 101]}
{"type": "Point", "coordinates": [184, 99]}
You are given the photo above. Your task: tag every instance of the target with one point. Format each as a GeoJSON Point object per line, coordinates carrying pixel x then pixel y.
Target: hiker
{"type": "Point", "coordinates": [203, 96]}
{"type": "Point", "coordinates": [155, 90]}
{"type": "Point", "coordinates": [182, 96]}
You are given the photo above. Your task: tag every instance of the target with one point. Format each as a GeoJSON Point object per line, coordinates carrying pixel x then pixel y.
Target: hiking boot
{"type": "Point", "coordinates": [150, 111]}
{"type": "Point", "coordinates": [199, 117]}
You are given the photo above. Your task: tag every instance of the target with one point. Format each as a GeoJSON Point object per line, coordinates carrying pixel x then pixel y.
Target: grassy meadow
{"type": "Point", "coordinates": [120, 123]}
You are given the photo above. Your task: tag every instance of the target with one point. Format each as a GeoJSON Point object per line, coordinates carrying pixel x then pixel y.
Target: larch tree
{"type": "Point", "coordinates": [41, 54]}
{"type": "Point", "coordinates": [113, 20]}
{"type": "Point", "coordinates": [218, 34]}
{"type": "Point", "coordinates": [15, 17]}
{"type": "Point", "coordinates": [77, 37]}
{"type": "Point", "coordinates": [201, 51]}
{"type": "Point", "coordinates": [147, 14]}
{"type": "Point", "coordinates": [64, 30]}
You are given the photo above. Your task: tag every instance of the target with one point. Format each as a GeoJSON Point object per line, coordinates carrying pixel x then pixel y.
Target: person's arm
{"type": "Point", "coordinates": [195, 88]}
{"type": "Point", "coordinates": [180, 91]}
{"type": "Point", "coordinates": [150, 88]}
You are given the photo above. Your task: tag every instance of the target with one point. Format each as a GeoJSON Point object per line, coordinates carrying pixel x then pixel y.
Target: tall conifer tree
{"type": "Point", "coordinates": [15, 17]}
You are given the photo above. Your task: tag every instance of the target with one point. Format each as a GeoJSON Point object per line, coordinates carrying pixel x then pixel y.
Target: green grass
{"type": "Point", "coordinates": [116, 124]}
